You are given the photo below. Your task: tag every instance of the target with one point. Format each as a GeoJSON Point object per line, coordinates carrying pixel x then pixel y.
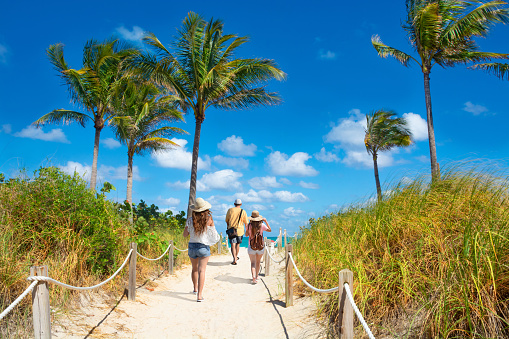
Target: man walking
{"type": "Point", "coordinates": [236, 218]}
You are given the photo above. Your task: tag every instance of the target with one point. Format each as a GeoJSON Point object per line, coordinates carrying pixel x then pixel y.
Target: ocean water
{"type": "Point", "coordinates": [245, 241]}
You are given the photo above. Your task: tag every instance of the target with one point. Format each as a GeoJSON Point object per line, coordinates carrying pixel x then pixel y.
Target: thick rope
{"type": "Point", "coordinates": [308, 284]}
{"type": "Point", "coordinates": [155, 258]}
{"type": "Point", "coordinates": [274, 260]}
{"type": "Point", "coordinates": [359, 315]}
{"type": "Point", "coordinates": [48, 279]}
{"type": "Point", "coordinates": [178, 249]}
{"type": "Point", "coordinates": [15, 302]}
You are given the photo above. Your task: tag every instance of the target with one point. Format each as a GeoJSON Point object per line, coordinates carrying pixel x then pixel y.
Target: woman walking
{"type": "Point", "coordinates": [256, 247]}
{"type": "Point", "coordinates": [200, 227]}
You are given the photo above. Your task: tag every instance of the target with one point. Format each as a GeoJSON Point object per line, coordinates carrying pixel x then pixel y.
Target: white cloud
{"type": "Point", "coordinates": [3, 54]}
{"type": "Point", "coordinates": [417, 125]}
{"type": "Point", "coordinates": [326, 55]}
{"type": "Point", "coordinates": [285, 181]}
{"type": "Point", "coordinates": [111, 143]}
{"type": "Point", "coordinates": [474, 109]}
{"type": "Point", "coordinates": [266, 196]}
{"type": "Point", "coordinates": [309, 185]}
{"type": "Point", "coordinates": [179, 157]}
{"type": "Point", "coordinates": [169, 201]}
{"type": "Point", "coordinates": [104, 173]}
{"type": "Point", "coordinates": [235, 146]}
{"type": "Point", "coordinates": [349, 131]}
{"type": "Point", "coordinates": [326, 156]}
{"type": "Point", "coordinates": [264, 182]}
{"type": "Point", "coordinates": [292, 212]}
{"type": "Point", "coordinates": [135, 35]}
{"type": "Point", "coordinates": [232, 162]}
{"type": "Point", "coordinates": [37, 133]}
{"type": "Point", "coordinates": [6, 128]}
{"type": "Point", "coordinates": [280, 164]}
{"type": "Point", "coordinates": [353, 158]}
{"type": "Point", "coordinates": [226, 180]}
{"type": "Point", "coordinates": [259, 207]}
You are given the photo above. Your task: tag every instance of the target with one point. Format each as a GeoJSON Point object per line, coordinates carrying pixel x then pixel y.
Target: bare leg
{"type": "Point", "coordinates": [235, 251]}
{"type": "Point", "coordinates": [202, 265]}
{"type": "Point", "coordinates": [194, 273]}
{"type": "Point", "coordinates": [257, 264]}
{"type": "Point", "coordinates": [252, 257]}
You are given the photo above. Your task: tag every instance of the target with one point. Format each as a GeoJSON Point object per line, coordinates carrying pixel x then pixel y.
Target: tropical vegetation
{"type": "Point", "coordinates": [429, 261]}
{"type": "Point", "coordinates": [384, 131]}
{"type": "Point", "coordinates": [92, 87]}
{"type": "Point", "coordinates": [443, 33]}
{"type": "Point", "coordinates": [202, 72]}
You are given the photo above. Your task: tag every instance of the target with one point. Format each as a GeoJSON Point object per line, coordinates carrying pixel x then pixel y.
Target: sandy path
{"type": "Point", "coordinates": [233, 308]}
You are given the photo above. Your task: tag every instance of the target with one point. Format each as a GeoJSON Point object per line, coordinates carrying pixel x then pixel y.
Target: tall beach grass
{"type": "Point", "coordinates": [429, 260]}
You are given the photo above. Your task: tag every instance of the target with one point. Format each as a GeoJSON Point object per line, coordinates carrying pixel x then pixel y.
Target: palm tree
{"type": "Point", "coordinates": [384, 131]}
{"type": "Point", "coordinates": [442, 32]}
{"type": "Point", "coordinates": [90, 87]}
{"type": "Point", "coordinates": [500, 70]}
{"type": "Point", "coordinates": [202, 72]}
{"type": "Point", "coordinates": [142, 122]}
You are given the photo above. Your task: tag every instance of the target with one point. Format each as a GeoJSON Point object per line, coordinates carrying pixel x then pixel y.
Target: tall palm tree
{"type": "Point", "coordinates": [90, 87]}
{"type": "Point", "coordinates": [500, 70]}
{"type": "Point", "coordinates": [202, 72]}
{"type": "Point", "coordinates": [142, 122]}
{"type": "Point", "coordinates": [442, 32]}
{"type": "Point", "coordinates": [384, 131]}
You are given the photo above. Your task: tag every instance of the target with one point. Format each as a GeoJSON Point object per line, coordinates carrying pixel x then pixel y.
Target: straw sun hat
{"type": "Point", "coordinates": [200, 205]}
{"type": "Point", "coordinates": [255, 216]}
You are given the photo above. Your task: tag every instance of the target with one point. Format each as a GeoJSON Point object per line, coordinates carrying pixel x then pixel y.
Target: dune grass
{"type": "Point", "coordinates": [428, 260]}
{"type": "Point", "coordinates": [55, 220]}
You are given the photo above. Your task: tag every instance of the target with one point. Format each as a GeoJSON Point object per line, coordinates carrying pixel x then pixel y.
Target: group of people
{"type": "Point", "coordinates": [199, 227]}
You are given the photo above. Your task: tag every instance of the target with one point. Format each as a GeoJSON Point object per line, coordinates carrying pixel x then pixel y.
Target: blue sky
{"type": "Point", "coordinates": [298, 160]}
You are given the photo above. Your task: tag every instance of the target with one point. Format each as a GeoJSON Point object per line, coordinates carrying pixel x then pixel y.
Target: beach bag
{"type": "Point", "coordinates": [211, 236]}
{"type": "Point", "coordinates": [256, 242]}
{"type": "Point", "coordinates": [232, 231]}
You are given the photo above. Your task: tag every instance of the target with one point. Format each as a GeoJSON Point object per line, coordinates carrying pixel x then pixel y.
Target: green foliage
{"type": "Point", "coordinates": [430, 255]}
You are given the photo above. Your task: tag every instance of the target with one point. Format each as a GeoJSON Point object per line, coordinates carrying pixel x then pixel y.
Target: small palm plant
{"type": "Point", "coordinates": [202, 72]}
{"type": "Point", "coordinates": [90, 87]}
{"type": "Point", "coordinates": [384, 131]}
{"type": "Point", "coordinates": [142, 122]}
{"type": "Point", "coordinates": [442, 32]}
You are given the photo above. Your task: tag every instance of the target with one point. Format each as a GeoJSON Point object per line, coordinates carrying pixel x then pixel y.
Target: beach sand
{"type": "Point", "coordinates": [233, 308]}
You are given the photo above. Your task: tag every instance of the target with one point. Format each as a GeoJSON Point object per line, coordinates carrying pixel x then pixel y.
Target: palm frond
{"type": "Point", "coordinates": [498, 69]}
{"type": "Point", "coordinates": [384, 51]}
{"type": "Point", "coordinates": [62, 116]}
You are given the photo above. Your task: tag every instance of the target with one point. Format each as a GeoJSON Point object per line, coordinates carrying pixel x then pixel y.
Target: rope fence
{"type": "Point", "coordinates": [346, 309]}
{"type": "Point", "coordinates": [40, 292]}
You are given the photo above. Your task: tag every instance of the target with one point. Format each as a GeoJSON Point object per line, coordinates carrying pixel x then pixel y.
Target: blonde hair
{"type": "Point", "coordinates": [200, 220]}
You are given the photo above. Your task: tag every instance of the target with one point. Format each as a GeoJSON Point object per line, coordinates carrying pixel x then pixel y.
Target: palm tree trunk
{"type": "Point", "coordinates": [129, 195]}
{"type": "Point", "coordinates": [435, 171]}
{"type": "Point", "coordinates": [194, 165]}
{"type": "Point", "coordinates": [93, 176]}
{"type": "Point", "coordinates": [377, 178]}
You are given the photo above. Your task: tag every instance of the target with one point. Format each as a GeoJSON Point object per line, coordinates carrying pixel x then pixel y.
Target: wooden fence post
{"type": "Point", "coordinates": [40, 304]}
{"type": "Point", "coordinates": [170, 257]}
{"type": "Point", "coordinates": [267, 258]}
{"type": "Point", "coordinates": [345, 308]}
{"type": "Point", "coordinates": [289, 277]}
{"type": "Point", "coordinates": [286, 242]}
{"type": "Point", "coordinates": [280, 240]}
{"type": "Point", "coordinates": [220, 243]}
{"type": "Point", "coordinates": [131, 292]}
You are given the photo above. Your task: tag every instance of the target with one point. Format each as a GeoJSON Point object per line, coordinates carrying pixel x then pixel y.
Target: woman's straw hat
{"type": "Point", "coordinates": [200, 205]}
{"type": "Point", "coordinates": [255, 216]}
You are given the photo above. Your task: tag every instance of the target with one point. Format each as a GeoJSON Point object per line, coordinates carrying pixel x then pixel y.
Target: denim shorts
{"type": "Point", "coordinates": [198, 250]}
{"type": "Point", "coordinates": [236, 240]}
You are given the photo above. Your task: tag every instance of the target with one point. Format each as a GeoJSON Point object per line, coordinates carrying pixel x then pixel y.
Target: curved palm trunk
{"type": "Point", "coordinates": [93, 175]}
{"type": "Point", "coordinates": [129, 195]}
{"type": "Point", "coordinates": [435, 171]}
{"type": "Point", "coordinates": [377, 179]}
{"type": "Point", "coordinates": [194, 165]}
